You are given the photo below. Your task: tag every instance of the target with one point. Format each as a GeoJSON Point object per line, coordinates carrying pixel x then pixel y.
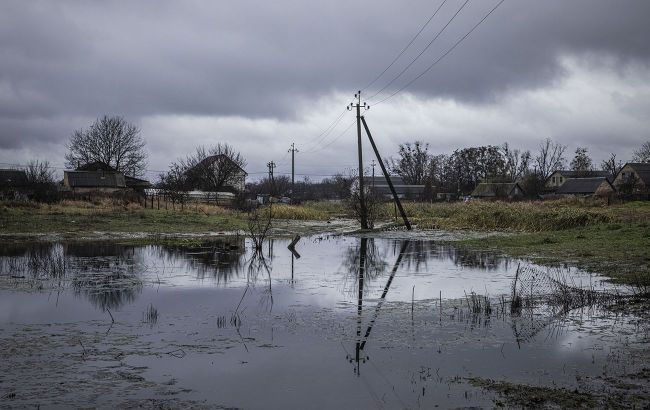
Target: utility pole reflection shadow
{"type": "Point", "coordinates": [360, 344]}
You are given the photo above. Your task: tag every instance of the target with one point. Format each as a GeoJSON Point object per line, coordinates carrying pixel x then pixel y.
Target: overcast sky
{"type": "Point", "coordinates": [261, 75]}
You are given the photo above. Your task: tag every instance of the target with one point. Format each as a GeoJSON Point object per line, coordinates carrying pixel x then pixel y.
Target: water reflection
{"type": "Point", "coordinates": [219, 259]}
{"type": "Point", "coordinates": [360, 344]}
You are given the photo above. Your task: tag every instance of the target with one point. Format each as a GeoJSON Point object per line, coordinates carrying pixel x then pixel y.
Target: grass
{"type": "Point", "coordinates": [621, 251]}
{"type": "Point", "coordinates": [521, 216]}
{"type": "Point", "coordinates": [77, 216]}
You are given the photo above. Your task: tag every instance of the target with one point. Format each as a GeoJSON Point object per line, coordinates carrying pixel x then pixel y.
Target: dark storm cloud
{"type": "Point", "coordinates": [67, 59]}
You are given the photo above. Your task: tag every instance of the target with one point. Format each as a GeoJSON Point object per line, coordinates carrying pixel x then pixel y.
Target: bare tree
{"type": "Point", "coordinates": [174, 184]}
{"type": "Point", "coordinates": [112, 141]}
{"type": "Point", "coordinates": [40, 178]}
{"type": "Point", "coordinates": [611, 165]}
{"type": "Point", "coordinates": [39, 172]}
{"type": "Point", "coordinates": [210, 169]}
{"type": "Point", "coordinates": [550, 157]}
{"type": "Point", "coordinates": [413, 162]}
{"type": "Point", "coordinates": [642, 154]}
{"type": "Point", "coordinates": [517, 163]}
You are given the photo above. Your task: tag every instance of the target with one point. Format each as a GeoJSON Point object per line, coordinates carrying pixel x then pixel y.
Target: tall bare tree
{"type": "Point", "coordinates": [110, 140]}
{"type": "Point", "coordinates": [643, 153]}
{"type": "Point", "coordinates": [549, 158]}
{"type": "Point", "coordinates": [210, 169]}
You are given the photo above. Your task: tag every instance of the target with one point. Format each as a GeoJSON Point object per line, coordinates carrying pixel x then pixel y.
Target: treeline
{"type": "Point", "coordinates": [461, 171]}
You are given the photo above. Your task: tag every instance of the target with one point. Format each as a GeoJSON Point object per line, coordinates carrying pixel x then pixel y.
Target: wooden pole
{"type": "Point", "coordinates": [383, 169]}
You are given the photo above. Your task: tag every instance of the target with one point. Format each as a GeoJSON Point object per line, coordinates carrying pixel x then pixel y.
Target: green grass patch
{"type": "Point", "coordinates": [618, 250]}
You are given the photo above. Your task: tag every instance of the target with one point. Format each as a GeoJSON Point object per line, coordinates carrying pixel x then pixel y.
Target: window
{"type": "Point", "coordinates": [553, 179]}
{"type": "Point", "coordinates": [561, 180]}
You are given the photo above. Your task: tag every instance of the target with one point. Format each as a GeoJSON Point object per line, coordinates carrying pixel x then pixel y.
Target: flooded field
{"type": "Point", "coordinates": [338, 322]}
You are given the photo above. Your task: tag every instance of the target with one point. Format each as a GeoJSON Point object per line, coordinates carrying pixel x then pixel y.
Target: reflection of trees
{"type": "Point", "coordinates": [14, 249]}
{"type": "Point", "coordinates": [375, 263]}
{"type": "Point", "coordinates": [420, 252]}
{"type": "Point", "coordinates": [219, 259]}
{"type": "Point", "coordinates": [107, 274]}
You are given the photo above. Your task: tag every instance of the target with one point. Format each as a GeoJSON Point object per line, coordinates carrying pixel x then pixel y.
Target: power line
{"type": "Point", "coordinates": [325, 132]}
{"type": "Point", "coordinates": [331, 142]}
{"type": "Point", "coordinates": [423, 50]}
{"type": "Point", "coordinates": [407, 46]}
{"type": "Point", "coordinates": [443, 55]}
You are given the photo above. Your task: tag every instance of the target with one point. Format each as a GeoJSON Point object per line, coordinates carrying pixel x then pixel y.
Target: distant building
{"type": "Point", "coordinates": [496, 190]}
{"type": "Point", "coordinates": [13, 183]}
{"type": "Point", "coordinates": [402, 189]}
{"type": "Point", "coordinates": [94, 181]}
{"type": "Point", "coordinates": [633, 178]}
{"type": "Point", "coordinates": [559, 177]}
{"type": "Point", "coordinates": [598, 186]}
{"type": "Point", "coordinates": [132, 183]}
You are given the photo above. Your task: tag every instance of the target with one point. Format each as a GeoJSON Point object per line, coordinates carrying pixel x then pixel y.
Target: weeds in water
{"type": "Point", "coordinates": [150, 316]}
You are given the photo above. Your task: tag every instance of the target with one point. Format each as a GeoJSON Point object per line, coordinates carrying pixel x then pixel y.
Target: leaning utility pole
{"type": "Point", "coordinates": [362, 201]}
{"type": "Point", "coordinates": [398, 203]}
{"type": "Point", "coordinates": [293, 150]}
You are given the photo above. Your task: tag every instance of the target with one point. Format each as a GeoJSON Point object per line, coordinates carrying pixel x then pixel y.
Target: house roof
{"type": "Point", "coordinates": [495, 189]}
{"type": "Point", "coordinates": [582, 174]}
{"type": "Point", "coordinates": [213, 158]}
{"type": "Point", "coordinates": [581, 185]}
{"type": "Point", "coordinates": [95, 179]}
{"type": "Point", "coordinates": [12, 178]}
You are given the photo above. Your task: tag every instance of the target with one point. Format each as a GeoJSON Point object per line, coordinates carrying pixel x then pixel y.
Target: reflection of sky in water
{"type": "Point", "coordinates": [292, 352]}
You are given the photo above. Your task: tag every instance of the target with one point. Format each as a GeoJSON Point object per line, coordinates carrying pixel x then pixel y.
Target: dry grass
{"type": "Point", "coordinates": [504, 216]}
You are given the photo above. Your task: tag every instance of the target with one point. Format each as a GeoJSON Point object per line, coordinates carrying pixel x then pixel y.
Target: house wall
{"type": "Point", "coordinates": [238, 181]}
{"type": "Point", "coordinates": [604, 189]}
{"type": "Point", "coordinates": [627, 172]}
{"type": "Point", "coordinates": [102, 190]}
{"type": "Point", "coordinates": [555, 180]}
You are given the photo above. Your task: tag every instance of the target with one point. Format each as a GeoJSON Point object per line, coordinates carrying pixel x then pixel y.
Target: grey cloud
{"type": "Point", "coordinates": [68, 59]}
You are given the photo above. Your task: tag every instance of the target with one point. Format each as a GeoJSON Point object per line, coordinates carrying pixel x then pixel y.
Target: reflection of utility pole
{"type": "Point", "coordinates": [372, 164]}
{"type": "Point", "coordinates": [362, 269]}
{"type": "Point", "coordinates": [271, 166]}
{"type": "Point", "coordinates": [362, 201]}
{"type": "Point", "coordinates": [293, 150]}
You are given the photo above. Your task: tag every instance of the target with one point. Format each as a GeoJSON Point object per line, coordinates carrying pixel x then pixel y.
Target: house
{"type": "Point", "coordinates": [403, 190]}
{"type": "Point", "coordinates": [13, 183]}
{"type": "Point", "coordinates": [217, 163]}
{"type": "Point", "coordinates": [598, 186]}
{"type": "Point", "coordinates": [132, 183]}
{"type": "Point", "coordinates": [94, 181]}
{"type": "Point", "coordinates": [559, 177]}
{"type": "Point", "coordinates": [498, 190]}
{"type": "Point", "coordinates": [633, 178]}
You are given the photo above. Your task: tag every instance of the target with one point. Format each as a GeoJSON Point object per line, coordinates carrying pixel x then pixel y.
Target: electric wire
{"type": "Point", "coordinates": [446, 53]}
{"type": "Point", "coordinates": [421, 52]}
{"type": "Point", "coordinates": [407, 46]}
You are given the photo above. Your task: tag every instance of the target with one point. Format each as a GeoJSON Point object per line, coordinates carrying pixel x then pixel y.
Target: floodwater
{"type": "Point", "coordinates": [216, 324]}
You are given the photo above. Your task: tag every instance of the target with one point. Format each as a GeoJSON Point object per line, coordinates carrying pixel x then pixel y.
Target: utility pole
{"type": "Point", "coordinates": [293, 151]}
{"type": "Point", "coordinates": [372, 164]}
{"type": "Point", "coordinates": [362, 201]}
{"type": "Point", "coordinates": [271, 166]}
